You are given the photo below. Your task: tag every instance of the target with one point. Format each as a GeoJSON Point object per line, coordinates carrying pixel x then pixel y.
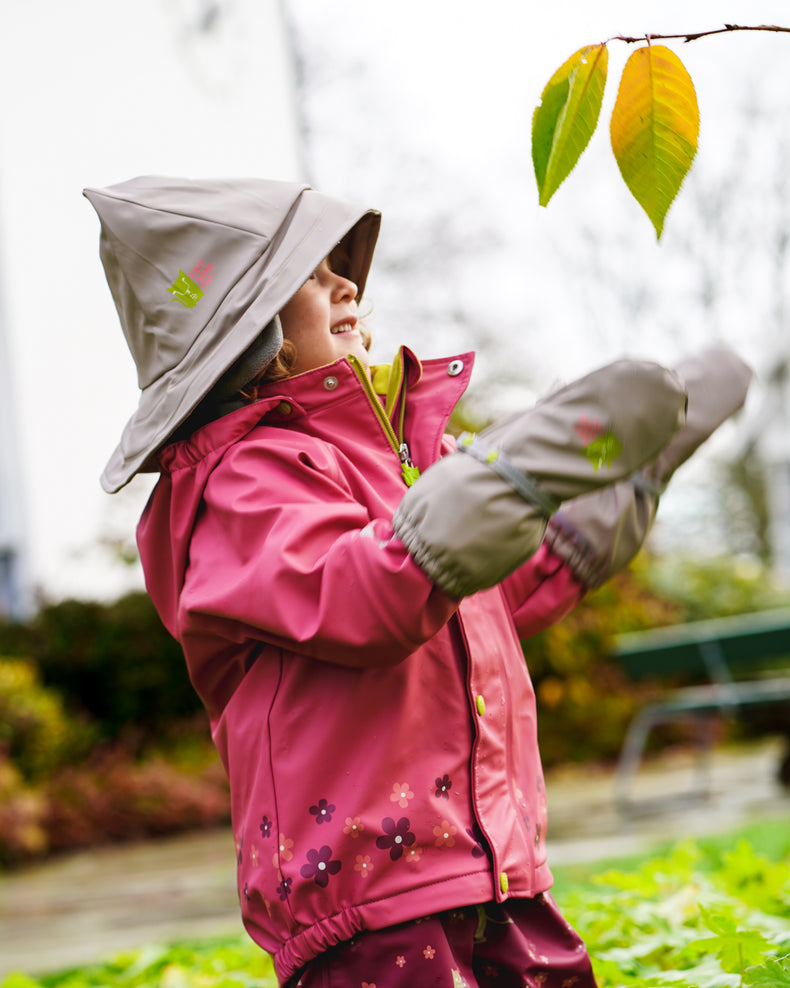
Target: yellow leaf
{"type": "Point", "coordinates": [654, 128]}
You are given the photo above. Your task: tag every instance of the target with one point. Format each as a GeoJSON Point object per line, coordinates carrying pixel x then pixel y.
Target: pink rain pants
{"type": "Point", "coordinates": [523, 943]}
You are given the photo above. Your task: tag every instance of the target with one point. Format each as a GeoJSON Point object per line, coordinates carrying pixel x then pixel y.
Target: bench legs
{"type": "Point", "coordinates": [633, 751]}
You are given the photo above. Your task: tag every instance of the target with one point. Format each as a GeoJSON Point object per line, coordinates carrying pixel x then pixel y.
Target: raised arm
{"type": "Point", "coordinates": [284, 553]}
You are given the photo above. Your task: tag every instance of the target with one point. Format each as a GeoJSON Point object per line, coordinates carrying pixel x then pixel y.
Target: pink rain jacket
{"type": "Point", "coordinates": [379, 736]}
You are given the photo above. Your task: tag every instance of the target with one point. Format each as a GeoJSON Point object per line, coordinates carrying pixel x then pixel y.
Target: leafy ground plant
{"type": "Point", "coordinates": [223, 963]}
{"type": "Point", "coordinates": [688, 919]}
{"type": "Point", "coordinates": [713, 913]}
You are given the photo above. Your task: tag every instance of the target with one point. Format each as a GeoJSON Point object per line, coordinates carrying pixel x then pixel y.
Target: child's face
{"type": "Point", "coordinates": [321, 320]}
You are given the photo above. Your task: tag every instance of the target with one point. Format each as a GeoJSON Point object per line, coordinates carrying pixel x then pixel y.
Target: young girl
{"type": "Point", "coordinates": [372, 709]}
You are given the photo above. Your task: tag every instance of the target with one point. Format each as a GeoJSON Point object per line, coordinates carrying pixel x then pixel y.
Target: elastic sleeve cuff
{"type": "Point", "coordinates": [575, 551]}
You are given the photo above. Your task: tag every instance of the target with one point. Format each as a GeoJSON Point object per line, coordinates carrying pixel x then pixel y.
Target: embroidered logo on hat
{"type": "Point", "coordinates": [188, 289]}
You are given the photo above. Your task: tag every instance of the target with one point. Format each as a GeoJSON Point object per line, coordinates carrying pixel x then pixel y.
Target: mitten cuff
{"type": "Point", "coordinates": [567, 542]}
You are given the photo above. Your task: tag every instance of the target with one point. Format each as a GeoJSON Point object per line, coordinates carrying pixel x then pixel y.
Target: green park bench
{"type": "Point", "coordinates": [741, 669]}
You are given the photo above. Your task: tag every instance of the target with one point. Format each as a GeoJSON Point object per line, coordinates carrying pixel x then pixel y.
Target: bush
{"type": "Point", "coordinates": [117, 799]}
{"type": "Point", "coordinates": [115, 663]}
{"type": "Point", "coordinates": [113, 797]}
{"type": "Point", "coordinates": [106, 685]}
{"type": "Point", "coordinates": [35, 731]}
{"type": "Point", "coordinates": [22, 834]}
{"type": "Point", "coordinates": [102, 736]}
{"type": "Point", "coordinates": [585, 702]}
{"type": "Point", "coordinates": [716, 587]}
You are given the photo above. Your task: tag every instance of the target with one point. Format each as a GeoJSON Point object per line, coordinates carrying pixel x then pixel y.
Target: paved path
{"type": "Point", "coordinates": [87, 906]}
{"type": "Point", "coordinates": [92, 904]}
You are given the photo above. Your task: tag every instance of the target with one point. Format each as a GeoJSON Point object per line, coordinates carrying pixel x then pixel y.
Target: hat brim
{"type": "Point", "coordinates": [316, 225]}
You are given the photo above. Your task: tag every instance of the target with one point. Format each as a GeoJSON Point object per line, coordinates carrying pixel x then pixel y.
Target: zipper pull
{"type": "Point", "coordinates": [408, 470]}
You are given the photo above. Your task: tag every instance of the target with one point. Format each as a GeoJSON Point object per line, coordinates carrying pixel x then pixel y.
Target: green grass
{"type": "Point", "coordinates": [708, 913]}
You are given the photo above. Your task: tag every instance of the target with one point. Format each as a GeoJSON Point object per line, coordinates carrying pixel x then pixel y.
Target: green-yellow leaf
{"type": "Point", "coordinates": [567, 116]}
{"type": "Point", "coordinates": [654, 129]}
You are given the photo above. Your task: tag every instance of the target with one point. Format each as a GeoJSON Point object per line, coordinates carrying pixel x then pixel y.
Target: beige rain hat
{"type": "Point", "coordinates": [198, 271]}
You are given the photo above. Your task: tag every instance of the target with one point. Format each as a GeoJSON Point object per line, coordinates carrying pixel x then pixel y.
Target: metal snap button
{"type": "Point", "coordinates": [455, 367]}
{"type": "Point", "coordinates": [330, 383]}
{"type": "Point", "coordinates": [284, 408]}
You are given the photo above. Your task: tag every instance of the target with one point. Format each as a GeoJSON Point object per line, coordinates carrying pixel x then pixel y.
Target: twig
{"type": "Point", "coordinates": [700, 34]}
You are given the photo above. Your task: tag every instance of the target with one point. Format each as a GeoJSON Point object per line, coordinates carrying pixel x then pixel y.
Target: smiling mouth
{"type": "Point", "coordinates": [344, 327]}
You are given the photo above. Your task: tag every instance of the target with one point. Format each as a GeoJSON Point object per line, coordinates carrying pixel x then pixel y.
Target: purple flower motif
{"type": "Point", "coordinates": [396, 836]}
{"type": "Point", "coordinates": [319, 866]}
{"type": "Point", "coordinates": [284, 888]}
{"type": "Point", "coordinates": [478, 851]}
{"type": "Point", "coordinates": [323, 812]}
{"type": "Point", "coordinates": [443, 787]}
{"type": "Point", "coordinates": [266, 827]}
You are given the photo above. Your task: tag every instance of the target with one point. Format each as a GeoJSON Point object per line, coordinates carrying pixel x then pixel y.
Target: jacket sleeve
{"type": "Point", "coordinates": [284, 553]}
{"type": "Point", "coordinates": [541, 592]}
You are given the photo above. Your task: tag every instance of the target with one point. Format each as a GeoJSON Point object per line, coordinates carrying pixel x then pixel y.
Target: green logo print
{"type": "Point", "coordinates": [601, 446]}
{"type": "Point", "coordinates": [186, 291]}
{"type": "Point", "coordinates": [603, 450]}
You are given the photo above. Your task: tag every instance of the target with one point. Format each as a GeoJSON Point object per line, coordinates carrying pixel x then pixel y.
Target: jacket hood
{"type": "Point", "coordinates": [198, 271]}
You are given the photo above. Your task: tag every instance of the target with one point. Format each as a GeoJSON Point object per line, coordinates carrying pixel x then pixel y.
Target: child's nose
{"type": "Point", "coordinates": [344, 288]}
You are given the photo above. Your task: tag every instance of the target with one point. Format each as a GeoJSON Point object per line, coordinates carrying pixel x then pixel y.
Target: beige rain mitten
{"type": "Point", "coordinates": [477, 514]}
{"type": "Point", "coordinates": [599, 534]}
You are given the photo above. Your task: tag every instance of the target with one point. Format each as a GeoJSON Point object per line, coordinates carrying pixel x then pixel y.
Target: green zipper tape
{"type": "Point", "coordinates": [409, 472]}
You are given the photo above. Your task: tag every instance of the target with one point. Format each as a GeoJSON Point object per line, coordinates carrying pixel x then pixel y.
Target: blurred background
{"type": "Point", "coordinates": [424, 111]}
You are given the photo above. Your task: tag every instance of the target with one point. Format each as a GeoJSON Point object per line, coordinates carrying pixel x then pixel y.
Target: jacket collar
{"type": "Point", "coordinates": [280, 402]}
{"type": "Point", "coordinates": [322, 384]}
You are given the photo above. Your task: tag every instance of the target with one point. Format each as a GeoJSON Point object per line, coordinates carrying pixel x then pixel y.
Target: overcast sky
{"type": "Point", "coordinates": [422, 109]}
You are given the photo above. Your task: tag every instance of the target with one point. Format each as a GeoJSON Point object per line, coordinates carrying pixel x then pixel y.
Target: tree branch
{"type": "Point", "coordinates": [728, 28]}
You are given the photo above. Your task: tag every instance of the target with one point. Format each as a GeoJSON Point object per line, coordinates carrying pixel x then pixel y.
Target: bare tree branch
{"type": "Point", "coordinates": [727, 29]}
